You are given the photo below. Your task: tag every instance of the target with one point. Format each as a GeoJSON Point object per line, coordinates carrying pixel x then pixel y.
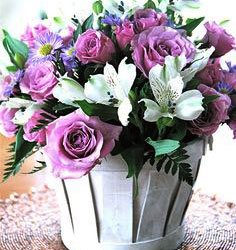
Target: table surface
{"type": "Point", "coordinates": [31, 222]}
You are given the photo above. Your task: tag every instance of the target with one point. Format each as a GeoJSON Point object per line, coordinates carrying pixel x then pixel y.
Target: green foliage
{"type": "Point", "coordinates": [38, 168]}
{"type": "Point", "coordinates": [150, 5]}
{"type": "Point", "coordinates": [78, 31]}
{"type": "Point", "coordinates": [133, 156]}
{"type": "Point", "coordinates": [174, 163]}
{"type": "Point", "coordinates": [105, 112]}
{"type": "Point", "coordinates": [20, 150]}
{"type": "Point", "coordinates": [163, 147]}
{"type": "Point", "coordinates": [97, 7]}
{"type": "Point", "coordinates": [208, 99]}
{"type": "Point", "coordinates": [12, 68]}
{"type": "Point", "coordinates": [88, 23]}
{"type": "Point", "coordinates": [17, 50]}
{"type": "Point", "coordinates": [191, 25]}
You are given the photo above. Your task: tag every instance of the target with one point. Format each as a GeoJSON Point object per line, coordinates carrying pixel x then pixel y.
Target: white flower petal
{"type": "Point", "coordinates": [16, 103]}
{"type": "Point", "coordinates": [68, 90]}
{"type": "Point", "coordinates": [153, 112]}
{"type": "Point", "coordinates": [176, 87]}
{"type": "Point", "coordinates": [22, 117]}
{"type": "Point", "coordinates": [124, 110]}
{"type": "Point", "coordinates": [199, 62]}
{"type": "Point", "coordinates": [97, 89]}
{"type": "Point", "coordinates": [189, 105]}
{"type": "Point", "coordinates": [126, 76]}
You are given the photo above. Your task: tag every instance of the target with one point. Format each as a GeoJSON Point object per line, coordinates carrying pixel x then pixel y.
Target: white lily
{"type": "Point", "coordinates": [68, 91]}
{"type": "Point", "coordinates": [167, 87]}
{"type": "Point", "coordinates": [113, 88]}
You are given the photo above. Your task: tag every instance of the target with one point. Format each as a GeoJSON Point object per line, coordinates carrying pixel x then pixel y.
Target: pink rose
{"type": "Point", "coordinates": [146, 18]}
{"type": "Point", "coordinates": [32, 32]}
{"type": "Point", "coordinates": [232, 125]}
{"type": "Point", "coordinates": [213, 116]}
{"type": "Point", "coordinates": [124, 33]}
{"type": "Point", "coordinates": [77, 142]}
{"type": "Point", "coordinates": [217, 36]}
{"type": "Point", "coordinates": [37, 136]}
{"type": "Point", "coordinates": [152, 46]}
{"type": "Point", "coordinates": [39, 81]}
{"type": "Point", "coordinates": [211, 74]}
{"type": "Point", "coordinates": [7, 127]}
{"type": "Point", "coordinates": [94, 46]}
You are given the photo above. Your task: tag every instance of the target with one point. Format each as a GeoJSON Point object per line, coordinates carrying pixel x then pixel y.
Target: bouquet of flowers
{"type": "Point", "coordinates": [129, 80]}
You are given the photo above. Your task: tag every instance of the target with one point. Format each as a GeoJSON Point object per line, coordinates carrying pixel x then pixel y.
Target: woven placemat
{"type": "Point", "coordinates": [31, 222]}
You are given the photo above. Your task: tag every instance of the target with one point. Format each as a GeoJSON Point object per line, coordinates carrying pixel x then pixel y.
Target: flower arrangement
{"type": "Point", "coordinates": [130, 80]}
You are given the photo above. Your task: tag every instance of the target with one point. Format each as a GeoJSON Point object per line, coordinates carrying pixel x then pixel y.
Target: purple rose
{"type": "Point", "coordinates": [7, 127]}
{"type": "Point", "coordinates": [124, 33]}
{"type": "Point", "coordinates": [217, 36]}
{"type": "Point", "coordinates": [147, 18]}
{"type": "Point", "coordinates": [152, 46]}
{"type": "Point", "coordinates": [39, 81]}
{"type": "Point", "coordinates": [213, 116]}
{"type": "Point", "coordinates": [211, 74]}
{"type": "Point", "coordinates": [37, 136]}
{"type": "Point", "coordinates": [94, 46]}
{"type": "Point", "coordinates": [232, 125]}
{"type": "Point", "coordinates": [77, 142]}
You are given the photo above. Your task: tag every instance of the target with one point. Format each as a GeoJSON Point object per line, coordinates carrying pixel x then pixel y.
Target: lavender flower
{"type": "Point", "coordinates": [224, 88]}
{"type": "Point", "coordinates": [111, 19]}
{"type": "Point", "coordinates": [68, 57]}
{"type": "Point", "coordinates": [45, 48]}
{"type": "Point", "coordinates": [232, 69]}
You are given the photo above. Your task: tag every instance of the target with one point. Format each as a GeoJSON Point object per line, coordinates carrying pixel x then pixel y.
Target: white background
{"type": "Point", "coordinates": [218, 170]}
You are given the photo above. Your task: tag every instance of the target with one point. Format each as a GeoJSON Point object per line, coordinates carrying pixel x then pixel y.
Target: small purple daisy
{"type": "Point", "coordinates": [68, 57]}
{"type": "Point", "coordinates": [45, 48]}
{"type": "Point", "coordinates": [224, 88]}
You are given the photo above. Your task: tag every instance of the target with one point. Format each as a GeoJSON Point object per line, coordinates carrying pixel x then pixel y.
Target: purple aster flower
{"type": "Point", "coordinates": [112, 20]}
{"type": "Point", "coordinates": [68, 57]}
{"type": "Point", "coordinates": [224, 88]}
{"type": "Point", "coordinates": [232, 69]}
{"type": "Point", "coordinates": [45, 48]}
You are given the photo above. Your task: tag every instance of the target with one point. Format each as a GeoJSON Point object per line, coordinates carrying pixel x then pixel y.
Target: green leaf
{"type": "Point", "coordinates": [133, 156]}
{"type": "Point", "coordinates": [98, 7]}
{"type": "Point", "coordinates": [58, 20]}
{"type": "Point", "coordinates": [16, 49]}
{"type": "Point", "coordinates": [21, 149]}
{"type": "Point", "coordinates": [38, 168]}
{"type": "Point", "coordinates": [150, 5]}
{"type": "Point", "coordinates": [160, 163]}
{"type": "Point", "coordinates": [191, 25]}
{"type": "Point", "coordinates": [105, 112]}
{"type": "Point", "coordinates": [185, 173]}
{"type": "Point", "coordinates": [162, 147]}
{"type": "Point", "coordinates": [11, 68]}
{"type": "Point", "coordinates": [77, 32]}
{"type": "Point", "coordinates": [88, 23]}
{"type": "Point", "coordinates": [168, 166]}
{"type": "Point", "coordinates": [208, 99]}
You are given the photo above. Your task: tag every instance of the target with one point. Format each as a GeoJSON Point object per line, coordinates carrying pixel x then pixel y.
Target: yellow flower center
{"type": "Point", "coordinates": [70, 51]}
{"type": "Point", "coordinates": [45, 49]}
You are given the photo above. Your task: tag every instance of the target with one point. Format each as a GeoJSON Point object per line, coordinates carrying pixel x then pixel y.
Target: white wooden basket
{"type": "Point", "coordinates": [99, 212]}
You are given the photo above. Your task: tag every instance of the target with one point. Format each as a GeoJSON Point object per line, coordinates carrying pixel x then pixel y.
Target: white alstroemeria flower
{"type": "Point", "coordinates": [113, 88]}
{"type": "Point", "coordinates": [122, 8]}
{"type": "Point", "coordinates": [68, 91]}
{"type": "Point", "coordinates": [167, 87]}
{"type": "Point", "coordinates": [17, 103]}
